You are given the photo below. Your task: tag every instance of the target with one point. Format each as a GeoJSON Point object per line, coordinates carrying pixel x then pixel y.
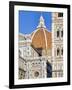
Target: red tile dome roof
{"type": "Point", "coordinates": [41, 38]}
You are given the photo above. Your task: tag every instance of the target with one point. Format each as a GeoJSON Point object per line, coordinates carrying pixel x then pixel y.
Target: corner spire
{"type": "Point", "coordinates": [41, 22]}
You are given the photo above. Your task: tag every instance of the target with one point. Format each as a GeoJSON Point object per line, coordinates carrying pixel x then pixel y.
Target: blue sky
{"type": "Point", "coordinates": [29, 20]}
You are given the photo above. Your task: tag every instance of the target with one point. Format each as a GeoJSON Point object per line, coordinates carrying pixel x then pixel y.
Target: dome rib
{"type": "Point", "coordinates": [45, 38]}
{"type": "Point", "coordinates": [34, 34]}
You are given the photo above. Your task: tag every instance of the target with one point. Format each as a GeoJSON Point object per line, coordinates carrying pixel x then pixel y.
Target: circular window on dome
{"type": "Point", "coordinates": [36, 74]}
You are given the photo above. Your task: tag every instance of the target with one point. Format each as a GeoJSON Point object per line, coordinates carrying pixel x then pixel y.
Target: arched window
{"type": "Point", "coordinates": [58, 33]}
{"type": "Point", "coordinates": [19, 53]}
{"type": "Point", "coordinates": [62, 33]}
{"type": "Point", "coordinates": [58, 51]}
{"type": "Point", "coordinates": [62, 51]}
{"type": "Point", "coordinates": [60, 14]}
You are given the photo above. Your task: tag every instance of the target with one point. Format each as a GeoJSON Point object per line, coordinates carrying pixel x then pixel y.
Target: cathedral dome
{"type": "Point", "coordinates": [41, 38]}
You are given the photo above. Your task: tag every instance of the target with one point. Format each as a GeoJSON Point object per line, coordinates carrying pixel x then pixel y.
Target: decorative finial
{"type": "Point", "coordinates": [41, 22]}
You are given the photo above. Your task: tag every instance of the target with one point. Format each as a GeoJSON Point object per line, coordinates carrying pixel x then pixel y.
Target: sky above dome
{"type": "Point", "coordinates": [29, 20]}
